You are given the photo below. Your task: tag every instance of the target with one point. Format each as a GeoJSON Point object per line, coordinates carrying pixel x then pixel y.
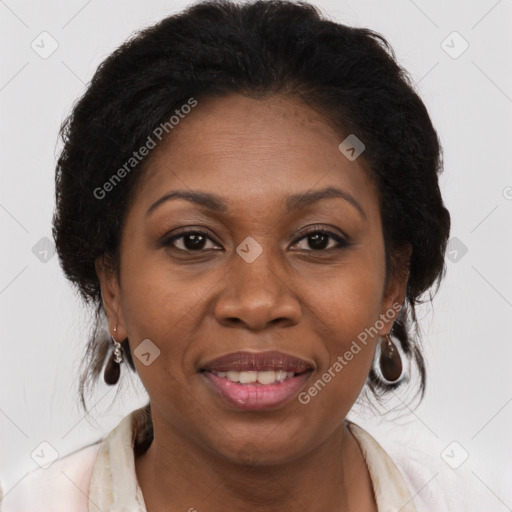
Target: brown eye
{"type": "Point", "coordinates": [190, 241]}
{"type": "Point", "coordinates": [318, 240]}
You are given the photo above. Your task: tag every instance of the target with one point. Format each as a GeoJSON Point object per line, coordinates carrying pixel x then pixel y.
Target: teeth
{"type": "Point", "coordinates": [248, 377]}
{"type": "Point", "coordinates": [233, 376]}
{"type": "Point", "coordinates": [282, 375]}
{"type": "Point", "coordinates": [266, 377]}
{"type": "Point", "coordinates": [262, 377]}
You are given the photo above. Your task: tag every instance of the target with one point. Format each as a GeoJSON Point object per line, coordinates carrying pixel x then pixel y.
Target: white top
{"type": "Point", "coordinates": [102, 477]}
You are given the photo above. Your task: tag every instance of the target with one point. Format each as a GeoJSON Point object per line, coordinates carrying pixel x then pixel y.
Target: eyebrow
{"type": "Point", "coordinates": [293, 202]}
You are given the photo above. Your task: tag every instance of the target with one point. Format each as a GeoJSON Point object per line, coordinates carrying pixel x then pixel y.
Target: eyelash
{"type": "Point", "coordinates": [342, 242]}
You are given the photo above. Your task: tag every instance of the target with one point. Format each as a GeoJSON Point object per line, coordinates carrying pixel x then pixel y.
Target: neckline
{"type": "Point", "coordinates": [389, 487]}
{"type": "Point", "coordinates": [114, 469]}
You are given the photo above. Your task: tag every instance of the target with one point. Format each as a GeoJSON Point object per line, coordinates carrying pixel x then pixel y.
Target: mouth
{"type": "Point", "coordinates": [258, 378]}
{"type": "Point", "coordinates": [257, 381]}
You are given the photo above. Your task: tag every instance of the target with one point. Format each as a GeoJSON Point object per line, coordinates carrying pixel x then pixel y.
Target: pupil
{"type": "Point", "coordinates": [316, 244]}
{"type": "Point", "coordinates": [196, 241]}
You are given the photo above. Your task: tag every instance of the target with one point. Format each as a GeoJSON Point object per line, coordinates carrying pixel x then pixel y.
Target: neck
{"type": "Point", "coordinates": [178, 473]}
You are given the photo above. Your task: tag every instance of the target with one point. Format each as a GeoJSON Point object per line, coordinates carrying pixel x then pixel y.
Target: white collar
{"type": "Point", "coordinates": [114, 486]}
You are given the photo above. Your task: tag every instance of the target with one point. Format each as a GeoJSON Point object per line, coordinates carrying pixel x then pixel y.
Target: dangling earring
{"type": "Point", "coordinates": [388, 362]}
{"type": "Point", "coordinates": [113, 367]}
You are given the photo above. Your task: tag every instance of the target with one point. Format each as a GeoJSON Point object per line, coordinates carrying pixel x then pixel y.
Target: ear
{"type": "Point", "coordinates": [111, 297]}
{"type": "Point", "coordinates": [396, 287]}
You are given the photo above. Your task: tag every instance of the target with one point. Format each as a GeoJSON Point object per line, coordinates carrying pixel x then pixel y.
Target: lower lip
{"type": "Point", "coordinates": [252, 397]}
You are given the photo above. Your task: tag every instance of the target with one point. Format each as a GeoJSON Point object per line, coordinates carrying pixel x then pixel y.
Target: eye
{"type": "Point", "coordinates": [196, 240]}
{"type": "Point", "coordinates": [318, 239]}
{"type": "Point", "coordinates": [190, 241]}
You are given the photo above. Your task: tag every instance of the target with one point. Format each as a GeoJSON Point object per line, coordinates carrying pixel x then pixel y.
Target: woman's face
{"type": "Point", "coordinates": [255, 282]}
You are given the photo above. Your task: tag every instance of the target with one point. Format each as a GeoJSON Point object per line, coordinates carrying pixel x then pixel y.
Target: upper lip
{"type": "Point", "coordinates": [258, 361]}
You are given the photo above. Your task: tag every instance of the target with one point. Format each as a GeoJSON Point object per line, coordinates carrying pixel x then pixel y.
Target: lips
{"type": "Point", "coordinates": [256, 381]}
{"type": "Point", "coordinates": [258, 361]}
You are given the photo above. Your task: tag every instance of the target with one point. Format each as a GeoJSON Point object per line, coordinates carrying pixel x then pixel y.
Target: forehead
{"type": "Point", "coordinates": [254, 151]}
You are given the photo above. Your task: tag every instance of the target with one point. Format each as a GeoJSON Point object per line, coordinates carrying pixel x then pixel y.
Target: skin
{"type": "Point", "coordinates": [208, 302]}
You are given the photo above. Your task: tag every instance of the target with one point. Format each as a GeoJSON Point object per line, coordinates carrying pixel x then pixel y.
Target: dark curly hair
{"type": "Point", "coordinates": [216, 48]}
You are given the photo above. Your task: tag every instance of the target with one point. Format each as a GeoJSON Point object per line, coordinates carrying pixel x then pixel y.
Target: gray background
{"type": "Point", "coordinates": [467, 334]}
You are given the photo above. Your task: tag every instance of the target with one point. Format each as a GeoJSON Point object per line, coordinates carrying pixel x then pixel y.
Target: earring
{"type": "Point", "coordinates": [113, 367]}
{"type": "Point", "coordinates": [388, 362]}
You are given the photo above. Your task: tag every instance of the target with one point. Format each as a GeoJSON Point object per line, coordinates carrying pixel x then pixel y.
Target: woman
{"type": "Point", "coordinates": [248, 195]}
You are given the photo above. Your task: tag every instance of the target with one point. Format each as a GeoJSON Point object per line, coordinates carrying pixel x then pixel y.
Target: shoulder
{"type": "Point", "coordinates": [62, 487]}
{"type": "Point", "coordinates": [435, 471]}
{"type": "Point", "coordinates": [439, 474]}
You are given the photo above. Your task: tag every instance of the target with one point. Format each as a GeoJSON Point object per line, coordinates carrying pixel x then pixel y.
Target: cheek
{"type": "Point", "coordinates": [155, 306]}
{"type": "Point", "coordinates": [347, 351]}
{"type": "Point", "coordinates": [349, 298]}
{"type": "Point", "coordinates": [346, 310]}
{"type": "Point", "coordinates": [349, 315]}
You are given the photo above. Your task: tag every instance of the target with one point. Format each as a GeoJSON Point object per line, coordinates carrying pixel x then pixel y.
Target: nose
{"type": "Point", "coordinates": [257, 295]}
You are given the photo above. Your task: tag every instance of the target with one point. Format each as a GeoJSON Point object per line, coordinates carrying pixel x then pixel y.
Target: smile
{"type": "Point", "coordinates": [263, 378]}
{"type": "Point", "coordinates": [256, 381]}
